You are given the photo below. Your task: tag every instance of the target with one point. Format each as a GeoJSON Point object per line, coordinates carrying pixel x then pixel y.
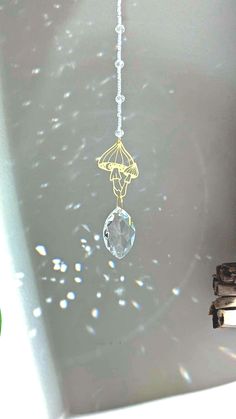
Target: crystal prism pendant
{"type": "Point", "coordinates": [119, 233]}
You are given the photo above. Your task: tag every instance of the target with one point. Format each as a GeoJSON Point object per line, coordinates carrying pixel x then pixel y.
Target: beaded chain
{"type": "Point", "coordinates": [119, 64]}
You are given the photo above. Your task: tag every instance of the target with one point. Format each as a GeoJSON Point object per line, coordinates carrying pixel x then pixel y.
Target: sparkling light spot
{"type": "Point", "coordinates": [122, 302]}
{"type": "Point", "coordinates": [48, 300]}
{"type": "Point", "coordinates": [78, 280]}
{"type": "Point", "coordinates": [75, 114]}
{"type": "Point", "coordinates": [26, 103]}
{"type": "Point", "coordinates": [36, 71]}
{"type": "Point", "coordinates": [90, 330]}
{"type": "Point", "coordinates": [64, 267]}
{"type": "Point", "coordinates": [155, 261]}
{"type": "Point", "coordinates": [228, 352]}
{"type": "Point", "coordinates": [56, 125]}
{"type": "Point", "coordinates": [86, 227]}
{"type": "Point", "coordinates": [136, 305]}
{"type": "Point", "coordinates": [69, 33]}
{"type": "Point", "coordinates": [63, 304]}
{"type": "Point", "coordinates": [139, 283]}
{"type": "Point", "coordinates": [185, 374]}
{"type": "Point", "coordinates": [56, 261]}
{"type": "Point", "coordinates": [195, 300]}
{"type": "Point", "coordinates": [44, 185]}
{"type": "Point", "coordinates": [119, 291]}
{"type": "Point", "coordinates": [96, 237]}
{"type": "Point", "coordinates": [41, 250]}
{"type": "Point", "coordinates": [99, 294]}
{"type": "Point", "coordinates": [67, 94]}
{"type": "Point", "coordinates": [37, 312]}
{"type": "Point", "coordinates": [88, 249]}
{"type": "Point", "coordinates": [107, 278]}
{"type": "Point", "coordinates": [122, 278]}
{"type": "Point", "coordinates": [71, 295]}
{"type": "Point", "coordinates": [69, 206]}
{"type": "Point", "coordinates": [35, 164]}
{"type": "Point", "coordinates": [95, 313]}
{"type": "Point", "coordinates": [106, 80]}
{"type": "Point", "coordinates": [111, 264]}
{"type": "Point", "coordinates": [78, 267]}
{"type": "Point", "coordinates": [176, 291]}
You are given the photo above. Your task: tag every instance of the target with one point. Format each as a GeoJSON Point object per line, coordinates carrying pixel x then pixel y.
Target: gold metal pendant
{"type": "Point", "coordinates": [122, 168]}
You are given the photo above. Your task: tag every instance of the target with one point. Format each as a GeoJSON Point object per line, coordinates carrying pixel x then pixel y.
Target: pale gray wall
{"type": "Point", "coordinates": [180, 84]}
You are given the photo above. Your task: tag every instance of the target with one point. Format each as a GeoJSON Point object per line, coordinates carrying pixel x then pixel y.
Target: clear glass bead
{"type": "Point", "coordinates": [119, 233]}
{"type": "Point", "coordinates": [120, 98]}
{"type": "Point", "coordinates": [119, 133]}
{"type": "Point", "coordinates": [119, 64]}
{"type": "Point", "coordinates": [120, 29]}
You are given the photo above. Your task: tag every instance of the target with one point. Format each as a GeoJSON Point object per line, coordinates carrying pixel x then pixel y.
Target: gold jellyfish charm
{"type": "Point", "coordinates": [122, 169]}
{"type": "Point", "coordinates": [119, 230]}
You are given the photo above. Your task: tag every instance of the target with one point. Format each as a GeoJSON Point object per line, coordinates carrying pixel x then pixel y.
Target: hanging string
{"type": "Point", "coordinates": [117, 159]}
{"type": "Point", "coordinates": [119, 64]}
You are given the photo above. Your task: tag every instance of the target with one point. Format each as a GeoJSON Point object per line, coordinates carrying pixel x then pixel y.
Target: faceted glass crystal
{"type": "Point", "coordinates": [119, 233]}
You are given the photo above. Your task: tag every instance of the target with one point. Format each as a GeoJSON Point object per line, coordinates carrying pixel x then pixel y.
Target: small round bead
{"type": "Point", "coordinates": [119, 133]}
{"type": "Point", "coordinates": [119, 64]}
{"type": "Point", "coordinates": [120, 98]}
{"type": "Point", "coordinates": [120, 29]}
